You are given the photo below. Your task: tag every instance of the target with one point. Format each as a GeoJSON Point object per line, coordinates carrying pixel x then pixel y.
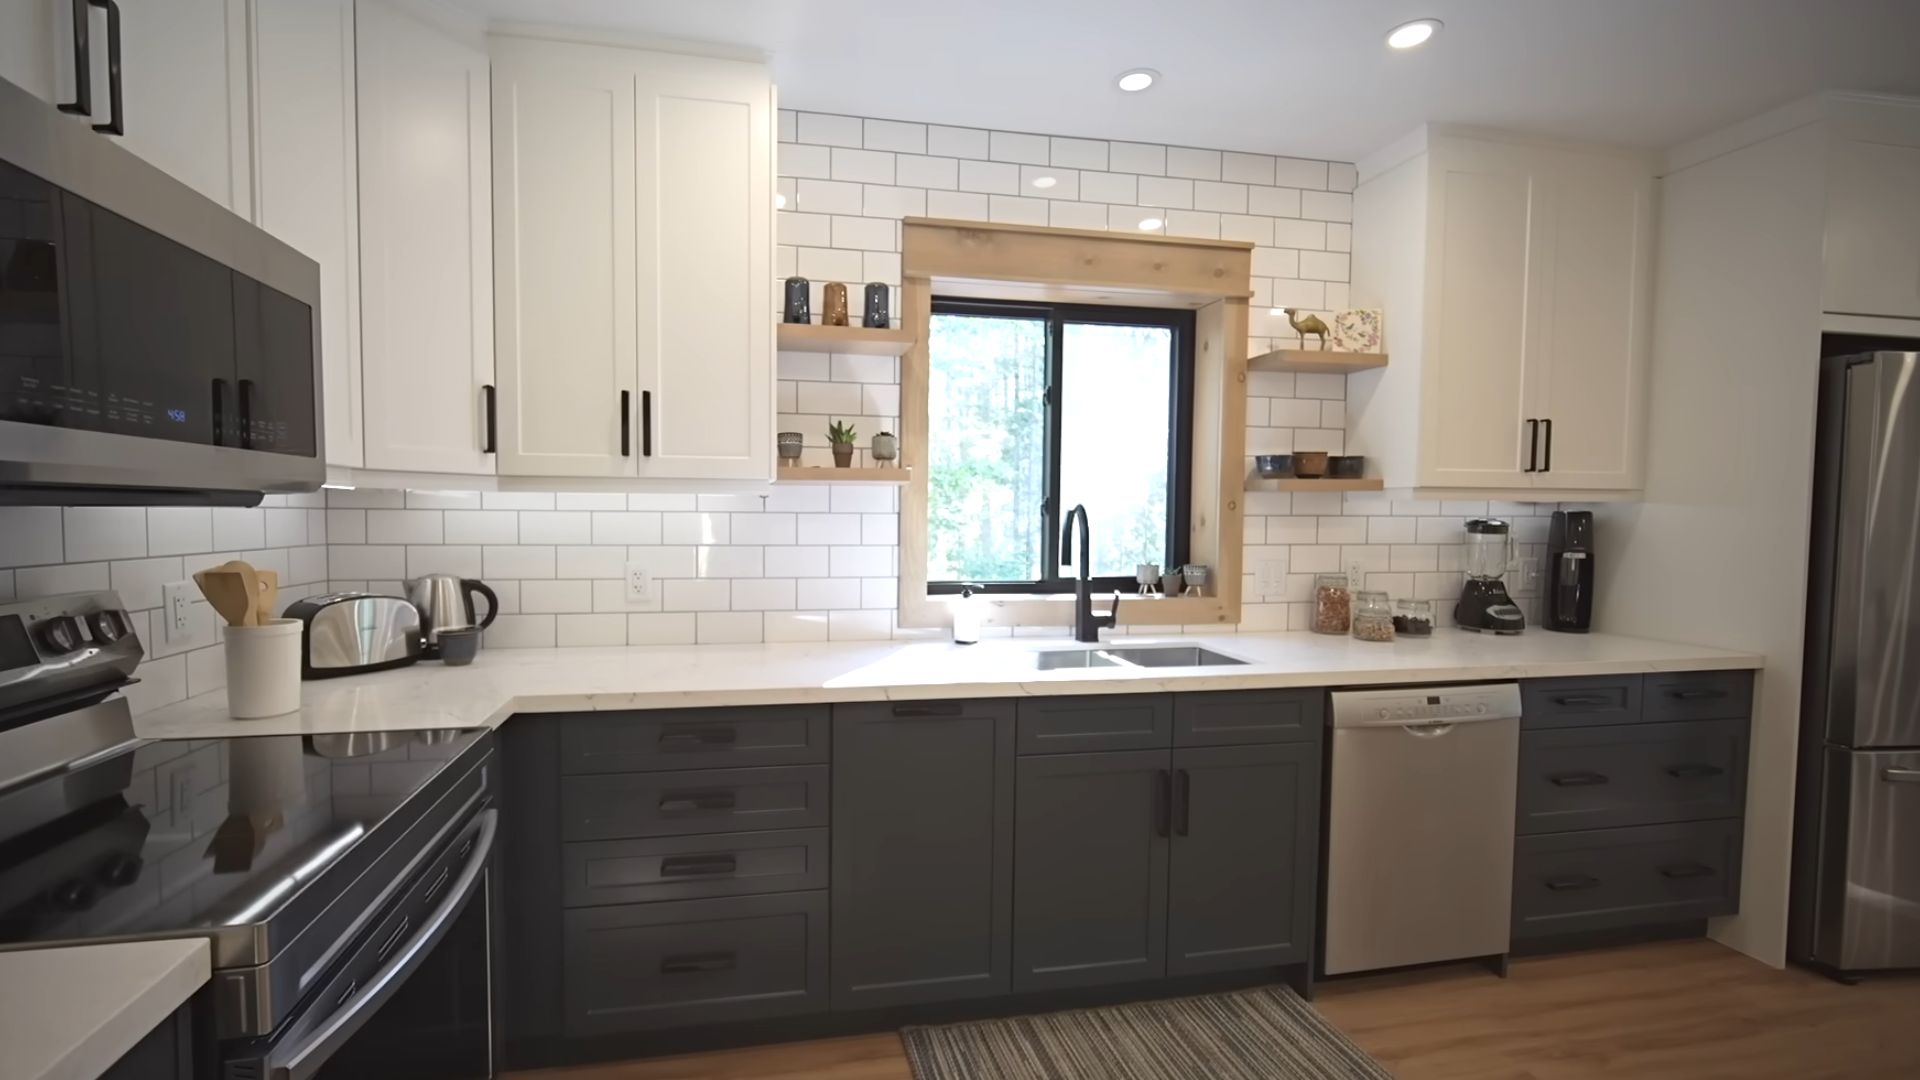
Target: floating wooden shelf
{"type": "Point", "coordinates": [860, 340]}
{"type": "Point", "coordinates": [827, 474]}
{"type": "Point", "coordinates": [1255, 482]}
{"type": "Point", "coordinates": [1315, 362]}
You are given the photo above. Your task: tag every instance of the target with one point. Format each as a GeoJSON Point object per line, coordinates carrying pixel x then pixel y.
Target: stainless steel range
{"type": "Point", "coordinates": [342, 881]}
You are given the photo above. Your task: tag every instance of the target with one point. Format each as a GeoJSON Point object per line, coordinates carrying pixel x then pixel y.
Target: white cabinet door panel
{"type": "Point", "coordinates": [1873, 230]}
{"type": "Point", "coordinates": [30, 33]}
{"type": "Point", "coordinates": [184, 75]}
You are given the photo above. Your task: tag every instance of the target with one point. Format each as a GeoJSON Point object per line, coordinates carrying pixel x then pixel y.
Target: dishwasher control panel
{"type": "Point", "coordinates": [1425, 705]}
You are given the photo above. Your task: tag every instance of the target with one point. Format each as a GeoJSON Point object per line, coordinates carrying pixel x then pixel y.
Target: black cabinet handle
{"type": "Point", "coordinates": [245, 401]}
{"type": "Point", "coordinates": [1546, 459]}
{"type": "Point", "coordinates": [1683, 871]}
{"type": "Point", "coordinates": [1696, 695]}
{"type": "Point", "coordinates": [1162, 803]}
{"type": "Point", "coordinates": [626, 423]}
{"type": "Point", "coordinates": [1577, 779]}
{"type": "Point", "coordinates": [680, 802]}
{"type": "Point", "coordinates": [688, 963]}
{"type": "Point", "coordinates": [1694, 772]}
{"type": "Point", "coordinates": [646, 423]}
{"type": "Point", "coordinates": [1571, 882]}
{"type": "Point", "coordinates": [1182, 801]}
{"type": "Point", "coordinates": [945, 708]}
{"type": "Point", "coordinates": [693, 738]}
{"type": "Point", "coordinates": [219, 412]}
{"type": "Point", "coordinates": [1583, 699]}
{"type": "Point", "coordinates": [82, 103]}
{"type": "Point", "coordinates": [695, 865]}
{"type": "Point", "coordinates": [116, 118]}
{"type": "Point", "coordinates": [492, 429]}
{"type": "Point", "coordinates": [1533, 446]}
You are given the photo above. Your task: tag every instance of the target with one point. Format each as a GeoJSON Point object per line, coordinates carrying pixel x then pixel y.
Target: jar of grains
{"type": "Point", "coordinates": [1372, 617]}
{"type": "Point", "coordinates": [1413, 618]}
{"type": "Point", "coordinates": [1332, 604]}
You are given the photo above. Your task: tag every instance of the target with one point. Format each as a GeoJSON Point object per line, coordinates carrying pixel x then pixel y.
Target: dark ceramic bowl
{"type": "Point", "coordinates": [1310, 464]}
{"type": "Point", "coordinates": [459, 647]}
{"type": "Point", "coordinates": [1347, 466]}
{"type": "Point", "coordinates": [1273, 466]}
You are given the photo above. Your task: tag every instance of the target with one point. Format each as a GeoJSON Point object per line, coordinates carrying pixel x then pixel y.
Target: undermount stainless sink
{"type": "Point", "coordinates": [1151, 656]}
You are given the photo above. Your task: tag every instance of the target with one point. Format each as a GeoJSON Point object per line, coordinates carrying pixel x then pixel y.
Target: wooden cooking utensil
{"type": "Point", "coordinates": [226, 590]}
{"type": "Point", "coordinates": [268, 595]}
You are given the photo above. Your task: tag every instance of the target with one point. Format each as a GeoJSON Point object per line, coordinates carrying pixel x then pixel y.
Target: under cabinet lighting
{"type": "Point", "coordinates": [1137, 80]}
{"type": "Point", "coordinates": [1044, 182]}
{"type": "Point", "coordinates": [1413, 34]}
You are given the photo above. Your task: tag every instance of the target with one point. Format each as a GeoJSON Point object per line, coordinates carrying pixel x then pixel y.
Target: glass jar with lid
{"type": "Point", "coordinates": [1332, 604]}
{"type": "Point", "coordinates": [1372, 616]}
{"type": "Point", "coordinates": [1413, 618]}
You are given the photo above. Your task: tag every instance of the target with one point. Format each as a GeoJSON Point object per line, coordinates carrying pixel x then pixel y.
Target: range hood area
{"type": "Point", "coordinates": [155, 348]}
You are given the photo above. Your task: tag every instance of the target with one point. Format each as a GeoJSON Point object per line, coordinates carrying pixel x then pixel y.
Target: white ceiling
{"type": "Point", "coordinates": [1304, 77]}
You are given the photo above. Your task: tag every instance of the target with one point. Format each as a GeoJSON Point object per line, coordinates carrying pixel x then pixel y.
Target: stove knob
{"type": "Point", "coordinates": [106, 627]}
{"type": "Point", "coordinates": [120, 871]}
{"type": "Point", "coordinates": [60, 635]}
{"type": "Point", "coordinates": [75, 894]}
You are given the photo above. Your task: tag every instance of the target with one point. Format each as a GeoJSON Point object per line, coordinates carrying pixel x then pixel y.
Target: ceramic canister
{"type": "Point", "coordinates": [799, 306]}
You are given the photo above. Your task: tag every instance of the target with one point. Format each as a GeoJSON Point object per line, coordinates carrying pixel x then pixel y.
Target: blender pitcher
{"type": "Point", "coordinates": [1484, 604]}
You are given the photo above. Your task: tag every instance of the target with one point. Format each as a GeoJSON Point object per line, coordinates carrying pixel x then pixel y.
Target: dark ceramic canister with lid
{"type": "Point", "coordinates": [799, 303]}
{"type": "Point", "coordinates": [879, 299]}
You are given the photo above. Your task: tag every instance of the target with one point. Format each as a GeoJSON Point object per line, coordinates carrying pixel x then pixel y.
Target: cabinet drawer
{"type": "Point", "coordinates": [1240, 719]}
{"type": "Point", "coordinates": [1605, 699]}
{"type": "Point", "coordinates": [1633, 774]}
{"type": "Point", "coordinates": [1072, 725]}
{"type": "Point", "coordinates": [617, 742]}
{"type": "Point", "coordinates": [690, 867]}
{"type": "Point", "coordinates": [1607, 879]}
{"type": "Point", "coordinates": [641, 967]}
{"type": "Point", "coordinates": [693, 801]}
{"type": "Point", "coordinates": [1699, 695]}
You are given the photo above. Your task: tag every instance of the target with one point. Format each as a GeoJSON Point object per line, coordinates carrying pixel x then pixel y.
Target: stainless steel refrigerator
{"type": "Point", "coordinates": [1856, 898]}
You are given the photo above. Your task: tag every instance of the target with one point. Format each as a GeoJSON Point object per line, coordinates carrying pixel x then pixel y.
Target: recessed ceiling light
{"type": "Point", "coordinates": [1412, 34]}
{"type": "Point", "coordinates": [1138, 79]}
{"type": "Point", "coordinates": [1150, 224]}
{"type": "Point", "coordinates": [1044, 182]}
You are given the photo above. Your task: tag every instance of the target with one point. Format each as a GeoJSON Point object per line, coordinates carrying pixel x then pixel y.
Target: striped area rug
{"type": "Point", "coordinates": [1263, 1034]}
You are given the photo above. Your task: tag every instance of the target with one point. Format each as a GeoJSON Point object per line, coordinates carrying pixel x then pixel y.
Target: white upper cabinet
{"type": "Point", "coordinates": [633, 217]}
{"type": "Point", "coordinates": [1515, 279]}
{"type": "Point", "coordinates": [1873, 212]}
{"type": "Point", "coordinates": [27, 43]}
{"type": "Point", "coordinates": [426, 252]}
{"type": "Point", "coordinates": [306, 183]}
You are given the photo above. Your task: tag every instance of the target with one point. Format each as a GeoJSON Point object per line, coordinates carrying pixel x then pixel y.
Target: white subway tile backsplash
{"type": "Point", "coordinates": [1145, 159]}
{"type": "Point", "coordinates": [1013, 146]}
{"type": "Point", "coordinates": [171, 530]}
{"type": "Point", "coordinates": [729, 561]}
{"type": "Point", "coordinates": [794, 626]}
{"type": "Point", "coordinates": [797, 562]}
{"type": "Point", "coordinates": [859, 625]}
{"type": "Point", "coordinates": [668, 628]}
{"type": "Point", "coordinates": [583, 631]}
{"type": "Point", "coordinates": [555, 596]}
{"type": "Point", "coordinates": [882, 201]}
{"type": "Point", "coordinates": [862, 166]}
{"type": "Point", "coordinates": [589, 562]}
{"type": "Point", "coordinates": [626, 527]}
{"type": "Point", "coordinates": [826, 594]}
{"type": "Point", "coordinates": [763, 528]}
{"type": "Point", "coordinates": [516, 500]}
{"type": "Point", "coordinates": [517, 561]}
{"type": "Point", "coordinates": [1166, 192]}
{"type": "Point", "coordinates": [915, 171]}
{"type": "Point", "coordinates": [696, 528]}
{"type": "Point", "coordinates": [957, 142]}
{"type": "Point", "coordinates": [555, 527]}
{"type": "Point", "coordinates": [958, 205]}
{"type": "Point", "coordinates": [460, 559]}
{"type": "Point", "coordinates": [400, 527]}
{"type": "Point", "coordinates": [1016, 210]}
{"type": "Point", "coordinates": [728, 628]}
{"type": "Point", "coordinates": [763, 594]}
{"type": "Point", "coordinates": [1326, 205]}
{"type": "Point", "coordinates": [32, 535]}
{"type": "Point", "coordinates": [831, 130]}
{"type": "Point", "coordinates": [894, 135]}
{"type": "Point", "coordinates": [520, 632]}
{"type": "Point", "coordinates": [797, 159]}
{"type": "Point", "coordinates": [362, 562]}
{"type": "Point", "coordinates": [991, 177]}
{"type": "Point", "coordinates": [1078, 153]}
{"type": "Point", "coordinates": [698, 595]}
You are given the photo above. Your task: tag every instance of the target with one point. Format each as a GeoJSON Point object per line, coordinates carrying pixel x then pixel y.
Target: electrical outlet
{"type": "Point", "coordinates": [639, 583]}
{"type": "Point", "coordinates": [1271, 577]}
{"type": "Point", "coordinates": [175, 615]}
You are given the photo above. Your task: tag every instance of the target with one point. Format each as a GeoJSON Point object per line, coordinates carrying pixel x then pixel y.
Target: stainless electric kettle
{"type": "Point", "coordinates": [446, 603]}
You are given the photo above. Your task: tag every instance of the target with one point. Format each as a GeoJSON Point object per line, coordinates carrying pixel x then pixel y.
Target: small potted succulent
{"type": "Point", "coordinates": [885, 446]}
{"type": "Point", "coordinates": [840, 436]}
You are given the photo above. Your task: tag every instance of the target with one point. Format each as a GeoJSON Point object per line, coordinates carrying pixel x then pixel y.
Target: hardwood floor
{"type": "Point", "coordinates": [1681, 1011]}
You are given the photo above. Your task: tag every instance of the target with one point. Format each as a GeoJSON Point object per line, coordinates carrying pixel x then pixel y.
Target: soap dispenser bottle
{"type": "Point", "coordinates": [966, 616]}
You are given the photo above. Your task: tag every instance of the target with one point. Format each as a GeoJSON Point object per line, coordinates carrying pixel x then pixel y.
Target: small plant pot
{"type": "Point", "coordinates": [842, 455]}
{"type": "Point", "coordinates": [789, 443]}
{"type": "Point", "coordinates": [886, 447]}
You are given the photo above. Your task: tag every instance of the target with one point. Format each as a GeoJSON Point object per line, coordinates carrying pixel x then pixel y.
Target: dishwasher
{"type": "Point", "coordinates": [1420, 825]}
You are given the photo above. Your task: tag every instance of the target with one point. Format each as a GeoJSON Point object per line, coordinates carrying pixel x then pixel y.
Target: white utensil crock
{"type": "Point", "coordinates": [263, 669]}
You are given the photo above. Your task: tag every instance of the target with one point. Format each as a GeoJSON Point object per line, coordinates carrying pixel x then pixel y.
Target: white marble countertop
{"type": "Point", "coordinates": [507, 681]}
{"type": "Point", "coordinates": [72, 1012]}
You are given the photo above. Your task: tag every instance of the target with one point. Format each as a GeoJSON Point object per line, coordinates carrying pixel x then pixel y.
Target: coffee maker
{"type": "Point", "coordinates": [1484, 604]}
{"type": "Point", "coordinates": [1569, 602]}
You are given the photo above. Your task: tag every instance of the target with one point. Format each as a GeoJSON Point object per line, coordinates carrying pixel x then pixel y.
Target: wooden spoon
{"type": "Point", "coordinates": [268, 596]}
{"type": "Point", "coordinates": [226, 590]}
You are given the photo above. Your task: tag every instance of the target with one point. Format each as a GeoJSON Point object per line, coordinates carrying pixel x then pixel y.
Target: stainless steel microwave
{"type": "Point", "coordinates": [155, 348]}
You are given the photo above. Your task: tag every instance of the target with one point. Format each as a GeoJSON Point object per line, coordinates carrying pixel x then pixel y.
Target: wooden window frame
{"type": "Point", "coordinates": [1211, 278]}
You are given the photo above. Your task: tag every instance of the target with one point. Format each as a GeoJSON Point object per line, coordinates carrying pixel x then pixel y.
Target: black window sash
{"type": "Point", "coordinates": [1179, 428]}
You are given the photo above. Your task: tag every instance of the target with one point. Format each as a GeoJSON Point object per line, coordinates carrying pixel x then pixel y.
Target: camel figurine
{"type": "Point", "coordinates": [1309, 325]}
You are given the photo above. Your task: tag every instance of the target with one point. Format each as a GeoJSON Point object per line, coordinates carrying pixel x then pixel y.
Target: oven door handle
{"type": "Point", "coordinates": [305, 1060]}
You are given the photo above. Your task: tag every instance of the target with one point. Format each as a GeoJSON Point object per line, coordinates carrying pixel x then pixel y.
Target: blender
{"type": "Point", "coordinates": [1484, 604]}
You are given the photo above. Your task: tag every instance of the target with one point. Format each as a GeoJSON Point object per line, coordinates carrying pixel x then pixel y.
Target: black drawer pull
{"type": "Point", "coordinates": [393, 940]}
{"type": "Point", "coordinates": [696, 865]}
{"type": "Point", "coordinates": [1694, 772]}
{"type": "Point", "coordinates": [1683, 871]}
{"type": "Point", "coordinates": [433, 890]}
{"type": "Point", "coordinates": [346, 994]}
{"type": "Point", "coordinates": [945, 708]}
{"type": "Point", "coordinates": [1696, 695]}
{"type": "Point", "coordinates": [1578, 779]}
{"type": "Point", "coordinates": [1583, 699]}
{"type": "Point", "coordinates": [697, 737]}
{"type": "Point", "coordinates": [679, 802]}
{"type": "Point", "coordinates": [692, 962]}
{"type": "Point", "coordinates": [1571, 883]}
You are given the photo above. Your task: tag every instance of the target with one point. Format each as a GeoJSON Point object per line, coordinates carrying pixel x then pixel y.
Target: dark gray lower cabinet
{"type": "Point", "coordinates": [1090, 868]}
{"type": "Point", "coordinates": [1245, 848]}
{"type": "Point", "coordinates": [922, 852]}
{"type": "Point", "coordinates": [165, 1054]}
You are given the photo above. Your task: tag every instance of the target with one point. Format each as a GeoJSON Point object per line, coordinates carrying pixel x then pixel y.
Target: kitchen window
{"type": "Point", "coordinates": [1034, 408]}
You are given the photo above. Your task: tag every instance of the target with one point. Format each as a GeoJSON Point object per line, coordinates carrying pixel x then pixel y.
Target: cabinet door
{"type": "Point", "coordinates": [1090, 869]}
{"type": "Point", "coordinates": [922, 852]}
{"type": "Point", "coordinates": [1476, 388]}
{"type": "Point", "coordinates": [1245, 850]}
{"type": "Point", "coordinates": [305, 168]}
{"type": "Point", "coordinates": [1873, 229]}
{"type": "Point", "coordinates": [30, 32]}
{"type": "Point", "coordinates": [705, 190]}
{"type": "Point", "coordinates": [1594, 318]}
{"type": "Point", "coordinates": [564, 167]}
{"type": "Point", "coordinates": [426, 248]}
